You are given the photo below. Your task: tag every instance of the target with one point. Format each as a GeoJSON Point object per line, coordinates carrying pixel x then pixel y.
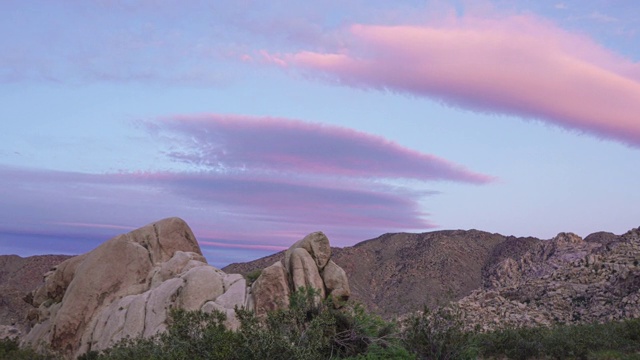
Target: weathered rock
{"type": "Point", "coordinates": [316, 244]}
{"type": "Point", "coordinates": [202, 283]}
{"type": "Point", "coordinates": [126, 287]}
{"type": "Point", "coordinates": [9, 331]}
{"type": "Point", "coordinates": [307, 263]}
{"type": "Point", "coordinates": [336, 282]}
{"type": "Point", "coordinates": [304, 272]}
{"type": "Point", "coordinates": [568, 280]}
{"type": "Point", "coordinates": [271, 290]}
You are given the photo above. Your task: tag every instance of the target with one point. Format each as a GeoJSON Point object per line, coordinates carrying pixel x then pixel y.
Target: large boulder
{"type": "Point", "coordinates": [126, 288]}
{"type": "Point", "coordinates": [307, 263]}
{"type": "Point", "coordinates": [336, 282]}
{"type": "Point", "coordinates": [316, 244]}
{"type": "Point", "coordinates": [305, 272]}
{"type": "Point", "coordinates": [271, 289]}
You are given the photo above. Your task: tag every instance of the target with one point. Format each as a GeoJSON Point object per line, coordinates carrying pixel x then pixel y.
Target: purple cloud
{"type": "Point", "coordinates": [232, 142]}
{"type": "Point", "coordinates": [518, 65]}
{"type": "Point", "coordinates": [226, 212]}
{"type": "Point", "coordinates": [263, 183]}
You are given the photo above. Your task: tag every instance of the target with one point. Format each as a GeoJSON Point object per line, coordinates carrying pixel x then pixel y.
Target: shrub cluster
{"type": "Point", "coordinates": [310, 329]}
{"type": "Point", "coordinates": [10, 350]}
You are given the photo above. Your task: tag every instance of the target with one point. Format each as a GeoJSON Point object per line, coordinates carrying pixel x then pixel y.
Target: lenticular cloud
{"type": "Point", "coordinates": [290, 146]}
{"type": "Point", "coordinates": [518, 65]}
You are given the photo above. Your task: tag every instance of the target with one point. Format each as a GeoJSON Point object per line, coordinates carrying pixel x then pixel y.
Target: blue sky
{"type": "Point", "coordinates": [259, 122]}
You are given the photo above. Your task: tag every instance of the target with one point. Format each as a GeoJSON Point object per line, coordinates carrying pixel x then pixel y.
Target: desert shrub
{"type": "Point", "coordinates": [252, 276]}
{"type": "Point", "coordinates": [10, 350]}
{"type": "Point", "coordinates": [309, 329]}
{"type": "Point", "coordinates": [313, 329]}
{"type": "Point", "coordinates": [520, 344]}
{"type": "Point", "coordinates": [190, 335]}
{"type": "Point", "coordinates": [438, 334]}
{"type": "Point", "coordinates": [612, 340]}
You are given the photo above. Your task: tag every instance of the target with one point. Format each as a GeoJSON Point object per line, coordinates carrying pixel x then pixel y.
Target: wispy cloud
{"type": "Point", "coordinates": [260, 184]}
{"type": "Point", "coordinates": [232, 142]}
{"type": "Point", "coordinates": [518, 65]}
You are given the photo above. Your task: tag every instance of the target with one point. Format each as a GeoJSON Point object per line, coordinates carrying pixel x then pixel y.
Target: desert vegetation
{"type": "Point", "coordinates": [310, 329]}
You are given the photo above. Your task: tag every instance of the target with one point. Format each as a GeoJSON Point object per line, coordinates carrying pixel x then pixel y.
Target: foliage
{"type": "Point", "coordinates": [613, 340]}
{"type": "Point", "coordinates": [252, 276]}
{"type": "Point", "coordinates": [438, 334]}
{"type": "Point", "coordinates": [313, 329]}
{"type": "Point", "coordinates": [308, 329]}
{"type": "Point", "coordinates": [10, 350]}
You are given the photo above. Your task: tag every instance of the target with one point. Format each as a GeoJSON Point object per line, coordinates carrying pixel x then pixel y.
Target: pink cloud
{"type": "Point", "coordinates": [255, 212]}
{"type": "Point", "coordinates": [261, 184]}
{"type": "Point", "coordinates": [94, 226]}
{"type": "Point", "coordinates": [517, 65]}
{"type": "Point", "coordinates": [233, 142]}
{"type": "Point", "coordinates": [273, 248]}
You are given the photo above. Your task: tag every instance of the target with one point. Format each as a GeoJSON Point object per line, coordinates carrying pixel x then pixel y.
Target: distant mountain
{"type": "Point", "coordinates": [564, 280]}
{"type": "Point", "coordinates": [495, 279]}
{"type": "Point", "coordinates": [18, 276]}
{"type": "Point", "coordinates": [399, 273]}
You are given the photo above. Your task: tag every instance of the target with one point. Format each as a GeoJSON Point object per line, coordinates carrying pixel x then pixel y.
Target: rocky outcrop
{"type": "Point", "coordinates": [306, 264]}
{"type": "Point", "coordinates": [271, 289]}
{"type": "Point", "coordinates": [565, 280]}
{"type": "Point", "coordinates": [126, 287]}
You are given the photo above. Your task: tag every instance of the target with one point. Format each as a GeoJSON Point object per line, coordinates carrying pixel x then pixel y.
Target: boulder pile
{"type": "Point", "coordinates": [565, 280]}
{"type": "Point", "coordinates": [127, 286]}
{"type": "Point", "coordinates": [307, 263]}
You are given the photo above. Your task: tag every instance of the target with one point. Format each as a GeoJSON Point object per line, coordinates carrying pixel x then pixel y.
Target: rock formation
{"type": "Point", "coordinates": [127, 286]}
{"type": "Point", "coordinates": [395, 274]}
{"type": "Point", "coordinates": [306, 264]}
{"type": "Point", "coordinates": [503, 280]}
{"type": "Point", "coordinates": [565, 280]}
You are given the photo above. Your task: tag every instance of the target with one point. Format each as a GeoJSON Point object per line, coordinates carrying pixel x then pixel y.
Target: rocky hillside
{"type": "Point", "coordinates": [18, 276]}
{"type": "Point", "coordinates": [565, 280]}
{"type": "Point", "coordinates": [398, 273]}
{"type": "Point", "coordinates": [496, 280]}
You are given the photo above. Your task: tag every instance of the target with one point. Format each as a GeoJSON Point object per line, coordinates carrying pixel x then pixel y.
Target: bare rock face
{"type": "Point", "coordinates": [126, 287]}
{"type": "Point", "coordinates": [307, 263]}
{"type": "Point", "coordinates": [565, 280]}
{"type": "Point", "coordinates": [316, 244]}
{"type": "Point", "coordinates": [271, 290]}
{"type": "Point", "coordinates": [336, 282]}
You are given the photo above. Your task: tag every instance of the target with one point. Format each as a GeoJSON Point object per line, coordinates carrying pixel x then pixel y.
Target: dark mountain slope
{"type": "Point", "coordinates": [398, 273]}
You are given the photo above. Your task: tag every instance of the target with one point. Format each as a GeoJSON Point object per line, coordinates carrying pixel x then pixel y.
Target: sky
{"type": "Point", "coordinates": [258, 122]}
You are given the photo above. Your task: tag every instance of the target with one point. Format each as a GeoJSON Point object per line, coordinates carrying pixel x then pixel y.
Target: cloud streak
{"type": "Point", "coordinates": [518, 65]}
{"type": "Point", "coordinates": [259, 184]}
{"type": "Point", "coordinates": [248, 211]}
{"type": "Point", "coordinates": [282, 145]}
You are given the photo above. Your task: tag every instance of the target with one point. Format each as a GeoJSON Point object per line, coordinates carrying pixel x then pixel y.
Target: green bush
{"type": "Point", "coordinates": [309, 329]}
{"type": "Point", "coordinates": [438, 334]}
{"type": "Point", "coordinates": [253, 276]}
{"type": "Point", "coordinates": [10, 350]}
{"type": "Point", "coordinates": [613, 340]}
